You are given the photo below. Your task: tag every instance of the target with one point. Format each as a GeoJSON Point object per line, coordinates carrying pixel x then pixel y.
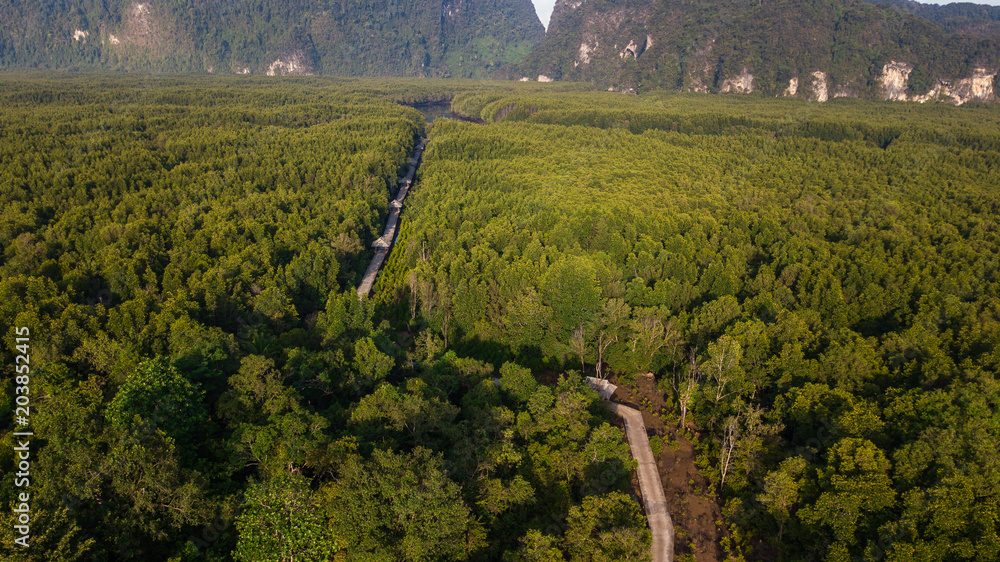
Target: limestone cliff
{"type": "Point", "coordinates": [976, 87]}
{"type": "Point", "coordinates": [894, 78]}
{"type": "Point", "coordinates": [740, 84]}
{"type": "Point", "coordinates": [458, 38]}
{"type": "Point", "coordinates": [791, 48]}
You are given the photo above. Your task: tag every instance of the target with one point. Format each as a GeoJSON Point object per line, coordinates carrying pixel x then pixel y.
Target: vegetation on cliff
{"type": "Point", "coordinates": [434, 38]}
{"type": "Point", "coordinates": [692, 45]}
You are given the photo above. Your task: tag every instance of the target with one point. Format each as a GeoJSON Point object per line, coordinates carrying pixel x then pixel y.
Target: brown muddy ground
{"type": "Point", "coordinates": [696, 514]}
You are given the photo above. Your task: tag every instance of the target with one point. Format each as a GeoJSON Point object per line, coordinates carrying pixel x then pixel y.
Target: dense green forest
{"type": "Point", "coordinates": [205, 383]}
{"type": "Point", "coordinates": [434, 38]}
{"type": "Point", "coordinates": [813, 286]}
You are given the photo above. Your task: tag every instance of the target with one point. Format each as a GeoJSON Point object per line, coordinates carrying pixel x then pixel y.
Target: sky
{"type": "Point", "coordinates": [544, 7]}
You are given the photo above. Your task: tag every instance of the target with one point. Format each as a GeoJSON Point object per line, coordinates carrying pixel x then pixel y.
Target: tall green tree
{"type": "Point", "coordinates": [282, 520]}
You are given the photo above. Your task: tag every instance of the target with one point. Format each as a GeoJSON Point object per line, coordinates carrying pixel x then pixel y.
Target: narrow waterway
{"type": "Point", "coordinates": [434, 111]}
{"type": "Point", "coordinates": [442, 110]}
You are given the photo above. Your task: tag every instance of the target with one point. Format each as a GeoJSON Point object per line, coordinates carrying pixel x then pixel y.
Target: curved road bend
{"type": "Point", "coordinates": [660, 524]}
{"type": "Point", "coordinates": [383, 244]}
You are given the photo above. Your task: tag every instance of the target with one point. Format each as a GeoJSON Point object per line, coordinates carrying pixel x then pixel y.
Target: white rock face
{"type": "Point", "coordinates": [544, 78]}
{"type": "Point", "coordinates": [895, 76]}
{"type": "Point", "coordinates": [80, 35]}
{"type": "Point", "coordinates": [138, 27]}
{"type": "Point", "coordinates": [632, 50]}
{"type": "Point", "coordinates": [114, 40]}
{"type": "Point", "coordinates": [525, 79]}
{"type": "Point", "coordinates": [843, 92]}
{"type": "Point", "coordinates": [585, 51]}
{"type": "Point", "coordinates": [793, 87]}
{"type": "Point", "coordinates": [936, 93]}
{"type": "Point", "coordinates": [293, 66]}
{"type": "Point", "coordinates": [978, 87]}
{"type": "Point", "coordinates": [739, 84]}
{"type": "Point", "coordinates": [701, 61]}
{"type": "Point", "coordinates": [649, 42]}
{"type": "Point", "coordinates": [566, 5]}
{"type": "Point", "coordinates": [245, 70]}
{"type": "Point", "coordinates": [140, 15]}
{"type": "Point", "coordinates": [819, 86]}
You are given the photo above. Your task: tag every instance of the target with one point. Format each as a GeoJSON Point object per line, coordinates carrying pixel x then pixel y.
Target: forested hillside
{"type": "Point", "coordinates": [878, 49]}
{"type": "Point", "coordinates": [962, 17]}
{"type": "Point", "coordinates": [434, 38]}
{"type": "Point", "coordinates": [795, 48]}
{"type": "Point", "coordinates": [815, 288]}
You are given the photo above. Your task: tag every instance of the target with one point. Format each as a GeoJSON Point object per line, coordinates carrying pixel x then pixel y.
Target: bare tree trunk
{"type": "Point", "coordinates": [722, 365]}
{"type": "Point", "coordinates": [687, 387]}
{"type": "Point", "coordinates": [603, 341]}
{"type": "Point", "coordinates": [720, 388]}
{"type": "Point", "coordinates": [728, 444]}
{"type": "Point", "coordinates": [675, 344]}
{"type": "Point", "coordinates": [444, 330]}
{"type": "Point", "coordinates": [413, 294]}
{"type": "Point", "coordinates": [578, 345]}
